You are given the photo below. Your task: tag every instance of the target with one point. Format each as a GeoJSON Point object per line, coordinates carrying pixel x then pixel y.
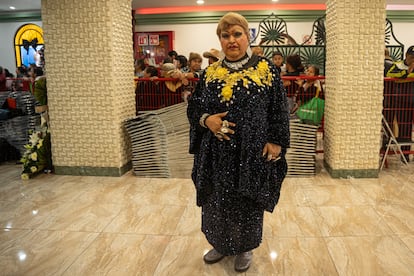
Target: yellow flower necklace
{"type": "Point", "coordinates": [260, 75]}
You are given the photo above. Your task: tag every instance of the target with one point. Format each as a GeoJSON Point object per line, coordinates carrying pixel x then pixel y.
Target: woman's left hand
{"type": "Point", "coordinates": [272, 152]}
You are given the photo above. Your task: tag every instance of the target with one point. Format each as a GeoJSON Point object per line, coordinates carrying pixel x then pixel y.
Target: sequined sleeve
{"type": "Point", "coordinates": [278, 113]}
{"type": "Point", "coordinates": [196, 108]}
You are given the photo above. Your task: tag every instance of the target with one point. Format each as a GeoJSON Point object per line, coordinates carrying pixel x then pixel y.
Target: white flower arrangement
{"type": "Point", "coordinates": [37, 155]}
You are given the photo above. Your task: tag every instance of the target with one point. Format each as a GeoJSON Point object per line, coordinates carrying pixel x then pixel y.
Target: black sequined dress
{"type": "Point", "coordinates": [234, 182]}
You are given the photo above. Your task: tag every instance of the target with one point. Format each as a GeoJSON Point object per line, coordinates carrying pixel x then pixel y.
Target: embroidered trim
{"type": "Point", "coordinates": [259, 74]}
{"type": "Point", "coordinates": [236, 65]}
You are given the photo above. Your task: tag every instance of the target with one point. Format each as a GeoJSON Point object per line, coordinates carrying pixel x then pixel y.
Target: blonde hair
{"type": "Point", "coordinates": [230, 19]}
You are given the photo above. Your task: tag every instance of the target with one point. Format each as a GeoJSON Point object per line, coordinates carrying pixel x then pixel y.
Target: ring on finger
{"type": "Point", "coordinates": [224, 129]}
{"type": "Point", "coordinates": [225, 123]}
{"type": "Point", "coordinates": [219, 135]}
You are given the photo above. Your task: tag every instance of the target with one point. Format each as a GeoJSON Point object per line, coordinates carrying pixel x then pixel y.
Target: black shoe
{"type": "Point", "coordinates": [213, 256]}
{"type": "Point", "coordinates": [243, 261]}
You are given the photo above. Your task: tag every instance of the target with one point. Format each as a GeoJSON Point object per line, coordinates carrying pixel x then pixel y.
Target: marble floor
{"type": "Point", "coordinates": [78, 225]}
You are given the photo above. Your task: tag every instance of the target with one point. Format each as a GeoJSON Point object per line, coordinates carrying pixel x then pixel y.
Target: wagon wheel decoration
{"type": "Point", "coordinates": [271, 30]}
{"type": "Point", "coordinates": [388, 31]}
{"type": "Point", "coordinates": [320, 31]}
{"type": "Point", "coordinates": [287, 50]}
{"type": "Point", "coordinates": [314, 55]}
{"type": "Point", "coordinates": [396, 51]}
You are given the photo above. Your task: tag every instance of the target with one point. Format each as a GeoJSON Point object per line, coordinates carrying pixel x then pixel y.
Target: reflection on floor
{"type": "Point", "coordinates": [78, 225]}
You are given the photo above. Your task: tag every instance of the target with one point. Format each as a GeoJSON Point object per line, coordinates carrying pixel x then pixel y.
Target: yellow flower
{"type": "Point", "coordinates": [227, 92]}
{"type": "Point", "coordinates": [256, 78]}
{"type": "Point", "coordinates": [221, 72]}
{"type": "Point", "coordinates": [262, 67]}
{"type": "Point", "coordinates": [33, 156]}
{"type": "Point", "coordinates": [260, 75]}
{"type": "Point", "coordinates": [40, 143]}
{"type": "Point", "coordinates": [25, 176]}
{"type": "Point", "coordinates": [33, 169]}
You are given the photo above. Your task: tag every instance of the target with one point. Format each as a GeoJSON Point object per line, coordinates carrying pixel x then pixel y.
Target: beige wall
{"type": "Point", "coordinates": [354, 86]}
{"type": "Point", "coordinates": [90, 84]}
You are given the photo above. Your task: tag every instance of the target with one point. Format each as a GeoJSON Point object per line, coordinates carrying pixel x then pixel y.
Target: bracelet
{"type": "Point", "coordinates": [203, 119]}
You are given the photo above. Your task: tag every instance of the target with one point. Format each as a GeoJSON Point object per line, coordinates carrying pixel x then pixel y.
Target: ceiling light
{"type": "Point", "coordinates": [200, 2]}
{"type": "Point", "coordinates": [12, 8]}
{"type": "Point", "coordinates": [275, 0]}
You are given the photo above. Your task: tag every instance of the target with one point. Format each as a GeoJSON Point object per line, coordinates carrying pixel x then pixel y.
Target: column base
{"type": "Point", "coordinates": [93, 171]}
{"type": "Point", "coordinates": [365, 173]}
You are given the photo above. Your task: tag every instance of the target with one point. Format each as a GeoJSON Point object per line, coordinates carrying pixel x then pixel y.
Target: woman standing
{"type": "Point", "coordinates": [239, 134]}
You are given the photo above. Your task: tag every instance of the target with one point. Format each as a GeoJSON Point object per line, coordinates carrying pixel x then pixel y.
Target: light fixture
{"type": "Point", "coordinates": [275, 0]}
{"type": "Point", "coordinates": [200, 2]}
{"type": "Point", "coordinates": [12, 7]}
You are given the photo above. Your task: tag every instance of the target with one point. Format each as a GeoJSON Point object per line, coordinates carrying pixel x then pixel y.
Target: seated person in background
{"type": "Point", "coordinates": [403, 68]}
{"type": "Point", "coordinates": [401, 101]}
{"type": "Point", "coordinates": [309, 87]}
{"type": "Point", "coordinates": [278, 61]}
{"type": "Point", "coordinates": [151, 72]}
{"type": "Point", "coordinates": [213, 55]}
{"type": "Point", "coordinates": [294, 67]}
{"type": "Point", "coordinates": [23, 82]}
{"type": "Point", "coordinates": [194, 64]}
{"type": "Point", "coordinates": [168, 60]}
{"type": "Point", "coordinates": [9, 80]}
{"type": "Point", "coordinates": [21, 72]}
{"type": "Point", "coordinates": [167, 70]}
{"type": "Point", "coordinates": [173, 56]}
{"type": "Point", "coordinates": [182, 64]}
{"type": "Point", "coordinates": [2, 80]}
{"type": "Point", "coordinates": [146, 92]}
{"type": "Point", "coordinates": [139, 68]}
{"type": "Point", "coordinates": [8, 74]}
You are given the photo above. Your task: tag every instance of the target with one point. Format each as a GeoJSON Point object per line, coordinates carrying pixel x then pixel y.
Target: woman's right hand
{"type": "Point", "coordinates": [221, 128]}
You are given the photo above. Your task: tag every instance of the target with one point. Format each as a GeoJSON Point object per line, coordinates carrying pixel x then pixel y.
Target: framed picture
{"type": "Point", "coordinates": [153, 46]}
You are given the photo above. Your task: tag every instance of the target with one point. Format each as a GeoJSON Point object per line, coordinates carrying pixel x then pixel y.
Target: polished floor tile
{"type": "Point", "coordinates": [371, 255]}
{"type": "Point", "coordinates": [80, 225]}
{"type": "Point", "coordinates": [120, 254]}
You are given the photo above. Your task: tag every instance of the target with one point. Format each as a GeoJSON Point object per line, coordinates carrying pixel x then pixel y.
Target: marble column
{"type": "Point", "coordinates": [89, 69]}
{"type": "Point", "coordinates": [354, 86]}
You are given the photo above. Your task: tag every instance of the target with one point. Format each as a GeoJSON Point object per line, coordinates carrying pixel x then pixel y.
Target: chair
{"type": "Point", "coordinates": [393, 144]}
